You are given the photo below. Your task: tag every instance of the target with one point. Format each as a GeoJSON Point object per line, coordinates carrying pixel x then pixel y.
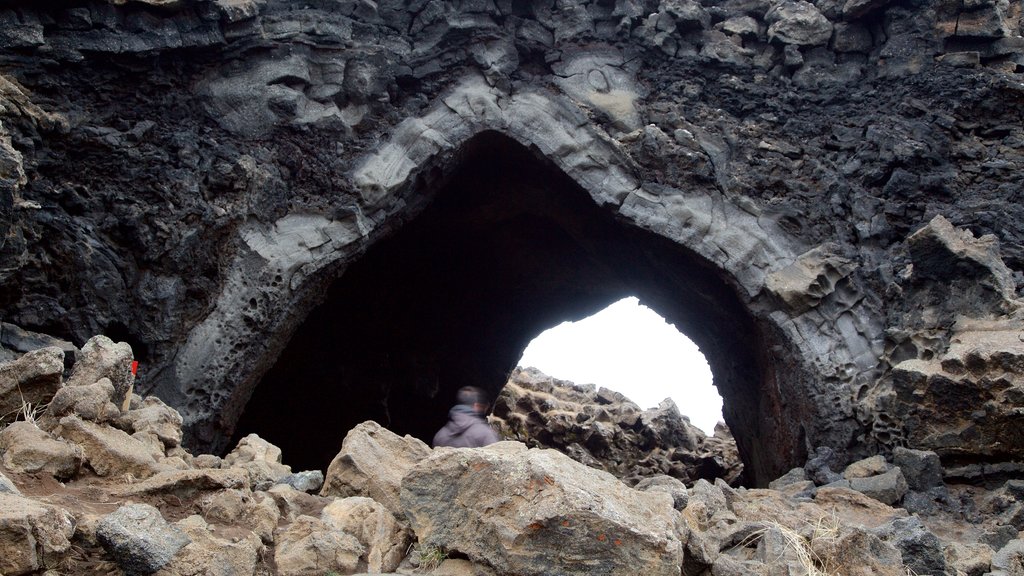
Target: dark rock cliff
{"type": "Point", "coordinates": [196, 177]}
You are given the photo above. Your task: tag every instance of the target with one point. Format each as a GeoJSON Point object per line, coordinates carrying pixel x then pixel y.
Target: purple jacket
{"type": "Point", "coordinates": [465, 429]}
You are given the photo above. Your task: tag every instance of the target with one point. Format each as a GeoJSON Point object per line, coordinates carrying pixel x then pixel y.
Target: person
{"type": "Point", "coordinates": [467, 426]}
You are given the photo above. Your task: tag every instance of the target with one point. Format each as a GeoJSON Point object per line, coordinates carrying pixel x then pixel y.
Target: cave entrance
{"type": "Point", "coordinates": [629, 348]}
{"type": "Point", "coordinates": [507, 247]}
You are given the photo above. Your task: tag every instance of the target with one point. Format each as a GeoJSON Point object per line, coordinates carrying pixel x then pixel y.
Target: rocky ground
{"type": "Point", "coordinates": [605, 430]}
{"type": "Point", "coordinates": [95, 481]}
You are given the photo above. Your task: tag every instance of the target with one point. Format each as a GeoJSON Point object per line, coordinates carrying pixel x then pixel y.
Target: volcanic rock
{"type": "Point", "coordinates": [529, 511]}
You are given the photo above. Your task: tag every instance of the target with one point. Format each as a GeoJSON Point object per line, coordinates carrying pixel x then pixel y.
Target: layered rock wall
{"type": "Point", "coordinates": [191, 176]}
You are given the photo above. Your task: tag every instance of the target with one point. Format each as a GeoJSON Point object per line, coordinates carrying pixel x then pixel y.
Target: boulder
{"type": "Point", "coordinates": [8, 487]}
{"type": "Point", "coordinates": [887, 488]}
{"type": "Point", "coordinates": [968, 559]}
{"type": "Point", "coordinates": [26, 448]}
{"type": "Point", "coordinates": [920, 549]}
{"type": "Point", "coordinates": [529, 511]}
{"type": "Point", "coordinates": [93, 402]}
{"type": "Point", "coordinates": [1006, 503]}
{"type": "Point", "coordinates": [921, 468]}
{"type": "Point", "coordinates": [207, 554]}
{"type": "Point", "coordinates": [109, 451]}
{"type": "Point", "coordinates": [792, 477]}
{"type": "Point", "coordinates": [371, 463]}
{"type": "Point", "coordinates": [294, 503]}
{"type": "Point", "coordinates": [32, 535]}
{"type": "Point", "coordinates": [100, 358]}
{"type": "Point", "coordinates": [798, 22]}
{"type": "Point", "coordinates": [308, 481]}
{"type": "Point", "coordinates": [1009, 560]}
{"type": "Point", "coordinates": [667, 484]}
{"type": "Point", "coordinates": [385, 541]}
{"type": "Point", "coordinates": [866, 468]}
{"type": "Point", "coordinates": [254, 511]}
{"type": "Point", "coordinates": [186, 484]}
{"type": "Point", "coordinates": [153, 418]}
{"type": "Point", "coordinates": [853, 551]}
{"type": "Point", "coordinates": [139, 539]}
{"type": "Point", "coordinates": [261, 459]}
{"type": "Point", "coordinates": [820, 466]}
{"type": "Point", "coordinates": [310, 546]}
{"type": "Point", "coordinates": [30, 380]}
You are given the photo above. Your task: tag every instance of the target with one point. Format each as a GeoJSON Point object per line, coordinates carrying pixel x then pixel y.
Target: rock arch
{"type": "Point", "coordinates": [716, 267]}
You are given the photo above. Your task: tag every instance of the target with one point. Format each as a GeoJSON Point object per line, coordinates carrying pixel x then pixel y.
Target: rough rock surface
{"type": "Point", "coordinates": [192, 176]}
{"type": "Point", "coordinates": [529, 511]}
{"type": "Point", "coordinates": [603, 429]}
{"type": "Point", "coordinates": [459, 509]}
{"type": "Point", "coordinates": [372, 462]}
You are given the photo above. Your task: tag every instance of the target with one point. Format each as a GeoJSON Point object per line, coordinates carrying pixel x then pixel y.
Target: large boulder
{"type": "Point", "coordinates": [261, 459]}
{"type": "Point", "coordinates": [798, 22]}
{"type": "Point", "coordinates": [385, 540]}
{"type": "Point", "coordinates": [26, 448]}
{"type": "Point", "coordinates": [32, 535]}
{"type": "Point", "coordinates": [100, 358]}
{"type": "Point", "coordinates": [310, 546]}
{"type": "Point", "coordinates": [371, 463]}
{"type": "Point", "coordinates": [139, 539]}
{"type": "Point", "coordinates": [109, 451]}
{"type": "Point", "coordinates": [208, 554]}
{"type": "Point", "coordinates": [93, 402]}
{"type": "Point", "coordinates": [529, 511]}
{"type": "Point", "coordinates": [30, 380]}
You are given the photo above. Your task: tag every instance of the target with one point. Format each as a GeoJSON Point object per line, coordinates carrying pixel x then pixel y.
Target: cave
{"type": "Point", "coordinates": [506, 246]}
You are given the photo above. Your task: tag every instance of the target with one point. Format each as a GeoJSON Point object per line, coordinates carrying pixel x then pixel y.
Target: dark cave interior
{"type": "Point", "coordinates": [507, 247]}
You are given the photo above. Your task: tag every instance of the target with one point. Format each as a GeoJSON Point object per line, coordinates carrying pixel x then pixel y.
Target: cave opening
{"type": "Point", "coordinates": [507, 246]}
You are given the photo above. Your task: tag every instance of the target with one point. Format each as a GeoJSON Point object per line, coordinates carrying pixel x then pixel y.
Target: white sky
{"type": "Point", "coordinates": [631, 349]}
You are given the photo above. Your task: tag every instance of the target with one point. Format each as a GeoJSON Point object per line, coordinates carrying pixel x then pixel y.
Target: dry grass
{"type": "Point", "coordinates": [28, 412]}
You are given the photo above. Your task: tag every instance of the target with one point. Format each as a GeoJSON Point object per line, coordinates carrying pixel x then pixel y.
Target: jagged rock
{"type": "Point", "coordinates": [294, 503]}
{"type": "Point", "coordinates": [518, 510]}
{"type": "Point", "coordinates": [854, 9]}
{"type": "Point", "coordinates": [187, 483]}
{"type": "Point", "coordinates": [605, 430]}
{"type": "Point", "coordinates": [109, 451]}
{"type": "Point", "coordinates": [261, 459]}
{"type": "Point", "coordinates": [26, 448]}
{"type": "Point", "coordinates": [857, 508]}
{"type": "Point", "coordinates": [667, 484]}
{"type": "Point", "coordinates": [154, 418]}
{"type": "Point", "coordinates": [308, 481]}
{"type": "Point", "coordinates": [888, 488]}
{"type": "Point", "coordinates": [798, 22]}
{"type": "Point", "coordinates": [866, 468]}
{"type": "Point", "coordinates": [257, 511]}
{"type": "Point", "coordinates": [310, 546]}
{"type": "Point", "coordinates": [8, 487]}
{"type": "Point", "coordinates": [920, 549]}
{"type": "Point", "coordinates": [1009, 560]}
{"type": "Point", "coordinates": [93, 402]}
{"type": "Point", "coordinates": [857, 552]}
{"type": "Point", "coordinates": [34, 534]}
{"type": "Point", "coordinates": [969, 559]}
{"type": "Point", "coordinates": [30, 380]}
{"type": "Point", "coordinates": [101, 357]}
{"type": "Point", "coordinates": [819, 466]}
{"type": "Point", "coordinates": [1007, 504]}
{"type": "Point", "coordinates": [921, 468]}
{"type": "Point", "coordinates": [385, 541]}
{"type": "Point", "coordinates": [813, 276]}
{"type": "Point", "coordinates": [371, 463]}
{"type": "Point", "coordinates": [208, 554]}
{"type": "Point", "coordinates": [139, 539]}
{"type": "Point", "coordinates": [792, 477]}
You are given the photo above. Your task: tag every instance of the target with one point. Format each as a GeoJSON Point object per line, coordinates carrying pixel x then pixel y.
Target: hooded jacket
{"type": "Point", "coordinates": [465, 429]}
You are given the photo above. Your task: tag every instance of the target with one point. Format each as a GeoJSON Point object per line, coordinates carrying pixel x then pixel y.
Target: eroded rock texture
{"type": "Point", "coordinates": [603, 429]}
{"type": "Point", "coordinates": [448, 178]}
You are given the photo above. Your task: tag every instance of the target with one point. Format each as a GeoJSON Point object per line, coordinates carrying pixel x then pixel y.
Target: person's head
{"type": "Point", "coordinates": [475, 397]}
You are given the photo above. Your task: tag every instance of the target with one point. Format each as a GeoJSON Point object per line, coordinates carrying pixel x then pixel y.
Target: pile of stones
{"type": "Point", "coordinates": [605, 430]}
{"type": "Point", "coordinates": [97, 482]}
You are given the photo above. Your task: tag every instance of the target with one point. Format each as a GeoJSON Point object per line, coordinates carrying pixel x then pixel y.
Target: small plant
{"type": "Point", "coordinates": [431, 557]}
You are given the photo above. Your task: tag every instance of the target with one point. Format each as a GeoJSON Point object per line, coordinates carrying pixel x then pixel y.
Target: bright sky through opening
{"type": "Point", "coordinates": [631, 349]}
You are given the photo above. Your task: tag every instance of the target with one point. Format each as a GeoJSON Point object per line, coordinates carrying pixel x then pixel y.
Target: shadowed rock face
{"type": "Point", "coordinates": [195, 178]}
